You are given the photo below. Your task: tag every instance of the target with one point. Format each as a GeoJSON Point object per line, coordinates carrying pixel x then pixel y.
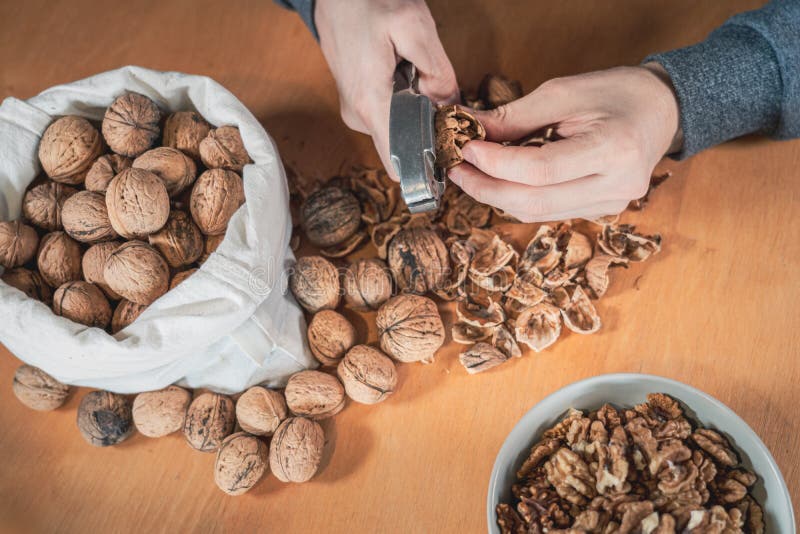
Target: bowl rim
{"type": "Point", "coordinates": [507, 450]}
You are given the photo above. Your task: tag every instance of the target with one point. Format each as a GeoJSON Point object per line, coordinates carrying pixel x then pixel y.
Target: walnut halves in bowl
{"type": "Point", "coordinates": [131, 124]}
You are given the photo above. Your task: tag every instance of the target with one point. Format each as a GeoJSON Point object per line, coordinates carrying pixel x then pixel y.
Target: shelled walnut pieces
{"type": "Point", "coordinates": [646, 469]}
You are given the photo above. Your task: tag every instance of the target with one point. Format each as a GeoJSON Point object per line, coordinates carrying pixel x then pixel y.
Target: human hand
{"type": "Point", "coordinates": [616, 125]}
{"type": "Point", "coordinates": [362, 41]}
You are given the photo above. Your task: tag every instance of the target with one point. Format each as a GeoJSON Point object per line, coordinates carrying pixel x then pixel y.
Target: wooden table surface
{"type": "Point", "coordinates": [717, 309]}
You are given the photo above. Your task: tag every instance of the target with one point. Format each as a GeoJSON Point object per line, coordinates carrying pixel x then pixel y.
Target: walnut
{"type": "Point", "coordinates": [85, 218]}
{"type": "Point", "coordinates": [104, 418]}
{"type": "Point", "coordinates": [368, 375]}
{"type": "Point", "coordinates": [481, 357]}
{"type": "Point", "coordinates": [180, 277]}
{"type": "Point", "coordinates": [570, 476]}
{"type": "Point", "coordinates": [464, 214]}
{"type": "Point", "coordinates": [410, 328]}
{"type": "Point", "coordinates": [454, 127]}
{"type": "Point", "coordinates": [260, 410]}
{"type": "Point", "coordinates": [419, 260]}
{"type": "Point", "coordinates": [125, 313]}
{"type": "Point", "coordinates": [241, 462]}
{"type": "Point", "coordinates": [716, 446]}
{"type": "Point", "coordinates": [330, 336]}
{"type": "Point", "coordinates": [138, 204]}
{"type": "Point", "coordinates": [18, 243]}
{"type": "Point", "coordinates": [330, 216]}
{"type": "Point", "coordinates": [103, 170]}
{"type": "Point", "coordinates": [315, 284]}
{"type": "Point", "coordinates": [83, 303]}
{"type": "Point", "coordinates": [539, 453]}
{"type": "Point", "coordinates": [497, 90]}
{"type": "Point", "coordinates": [37, 390]}
{"type": "Point", "coordinates": [209, 420]}
{"type": "Point", "coordinates": [296, 448]}
{"type": "Point", "coordinates": [175, 169]}
{"type": "Point", "coordinates": [59, 259]}
{"type": "Point", "coordinates": [137, 272]}
{"type": "Point", "coordinates": [185, 130]}
{"type": "Point", "coordinates": [539, 326]}
{"type": "Point", "coordinates": [130, 125]}
{"type": "Point", "coordinates": [43, 203]}
{"type": "Point", "coordinates": [223, 148]}
{"type": "Point", "coordinates": [29, 282]}
{"type": "Point", "coordinates": [67, 149]}
{"type": "Point", "coordinates": [162, 412]}
{"type": "Point", "coordinates": [367, 284]}
{"type": "Point", "coordinates": [314, 394]}
{"type": "Point", "coordinates": [93, 265]}
{"type": "Point", "coordinates": [216, 196]}
{"type": "Point", "coordinates": [179, 241]}
{"type": "Point", "coordinates": [210, 246]}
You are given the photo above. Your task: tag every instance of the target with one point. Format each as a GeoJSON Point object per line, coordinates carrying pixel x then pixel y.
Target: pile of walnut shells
{"type": "Point", "coordinates": [103, 235]}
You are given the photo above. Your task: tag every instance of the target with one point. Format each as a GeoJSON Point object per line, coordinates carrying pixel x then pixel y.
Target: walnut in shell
{"type": "Point", "coordinates": [179, 241]}
{"type": "Point", "coordinates": [454, 128]}
{"type": "Point", "coordinates": [209, 420]}
{"type": "Point", "coordinates": [67, 149]}
{"type": "Point", "coordinates": [410, 328]}
{"type": "Point", "coordinates": [210, 246]}
{"type": "Point", "coordinates": [18, 243]}
{"type": "Point", "coordinates": [367, 284]}
{"type": "Point", "coordinates": [223, 148]}
{"type": "Point", "coordinates": [419, 260]}
{"type": "Point", "coordinates": [83, 303]}
{"type": "Point", "coordinates": [93, 265]}
{"type": "Point", "coordinates": [59, 259]}
{"type": "Point", "coordinates": [43, 203]}
{"type": "Point", "coordinates": [104, 418]}
{"type": "Point", "coordinates": [216, 196]}
{"type": "Point", "coordinates": [296, 449]}
{"type": "Point", "coordinates": [368, 375]}
{"type": "Point", "coordinates": [330, 336]}
{"type": "Point", "coordinates": [497, 90]}
{"type": "Point", "coordinates": [162, 412]}
{"type": "Point", "coordinates": [241, 462]}
{"type": "Point", "coordinates": [137, 272]}
{"type": "Point", "coordinates": [315, 284]}
{"type": "Point", "coordinates": [125, 313]}
{"type": "Point", "coordinates": [130, 125]}
{"type": "Point", "coordinates": [260, 410]}
{"type": "Point", "coordinates": [330, 216]}
{"type": "Point", "coordinates": [138, 204]}
{"type": "Point", "coordinates": [314, 394]}
{"type": "Point", "coordinates": [85, 218]}
{"type": "Point", "coordinates": [185, 130]}
{"type": "Point", "coordinates": [175, 169]}
{"type": "Point", "coordinates": [37, 390]}
{"type": "Point", "coordinates": [103, 170]}
{"type": "Point", "coordinates": [29, 282]}
{"type": "Point", "coordinates": [180, 277]}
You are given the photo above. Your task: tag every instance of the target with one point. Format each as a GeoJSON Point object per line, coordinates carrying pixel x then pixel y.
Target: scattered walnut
{"type": "Point", "coordinates": [104, 418]}
{"type": "Point", "coordinates": [260, 410]}
{"type": "Point", "coordinates": [162, 412]}
{"type": "Point", "coordinates": [130, 125]}
{"type": "Point", "coordinates": [209, 420]}
{"type": "Point", "coordinates": [315, 284]}
{"type": "Point", "coordinates": [419, 260]}
{"type": "Point", "coordinates": [179, 241]}
{"type": "Point", "coordinates": [137, 272]}
{"type": "Point", "coordinates": [138, 204]}
{"type": "Point", "coordinates": [410, 328]}
{"type": "Point", "coordinates": [83, 303]}
{"type": "Point", "coordinates": [367, 284]}
{"type": "Point", "coordinates": [481, 357]}
{"type": "Point", "coordinates": [185, 130]}
{"type": "Point", "coordinates": [125, 314]}
{"type": "Point", "coordinates": [85, 218]}
{"type": "Point", "coordinates": [67, 149]}
{"type": "Point", "coordinates": [368, 375]}
{"type": "Point", "coordinates": [454, 128]}
{"type": "Point", "coordinates": [59, 259]}
{"type": "Point", "coordinates": [93, 264]}
{"type": "Point", "coordinates": [175, 169]}
{"type": "Point", "coordinates": [314, 394]}
{"type": "Point", "coordinates": [216, 196]}
{"type": "Point", "coordinates": [180, 277]}
{"type": "Point", "coordinates": [37, 390]}
{"type": "Point", "coordinates": [330, 216]}
{"type": "Point", "coordinates": [29, 282]}
{"type": "Point", "coordinates": [330, 336]}
{"type": "Point", "coordinates": [296, 448]}
{"type": "Point", "coordinates": [43, 203]}
{"type": "Point", "coordinates": [223, 148]}
{"type": "Point", "coordinates": [103, 170]}
{"type": "Point", "coordinates": [241, 462]}
{"type": "Point", "coordinates": [18, 243]}
{"type": "Point", "coordinates": [497, 90]}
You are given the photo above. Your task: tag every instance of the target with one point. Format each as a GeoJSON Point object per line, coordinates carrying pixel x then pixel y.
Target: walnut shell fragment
{"type": "Point", "coordinates": [175, 169]}
{"type": "Point", "coordinates": [497, 90]}
{"type": "Point", "coordinates": [368, 375]}
{"type": "Point", "coordinates": [296, 448]}
{"type": "Point", "coordinates": [260, 411]}
{"type": "Point", "coordinates": [330, 216]}
{"type": "Point", "coordinates": [29, 282]}
{"type": "Point", "coordinates": [18, 243]}
{"type": "Point", "coordinates": [454, 128]}
{"type": "Point", "coordinates": [83, 303]}
{"type": "Point", "coordinates": [179, 241]}
{"type": "Point", "coordinates": [104, 418]}
{"type": "Point", "coordinates": [125, 313]}
{"type": "Point", "coordinates": [103, 170]}
{"type": "Point", "coordinates": [67, 149]}
{"type": "Point", "coordinates": [216, 196]}
{"type": "Point", "coordinates": [623, 241]}
{"type": "Point", "coordinates": [240, 463]}
{"type": "Point", "coordinates": [315, 284]}
{"type": "Point", "coordinates": [467, 334]}
{"type": "Point", "coordinates": [503, 340]}
{"type": "Point", "coordinates": [162, 412]}
{"type": "Point", "coordinates": [138, 204]}
{"type": "Point", "coordinates": [185, 130]}
{"type": "Point", "coordinates": [330, 336]}
{"type": "Point", "coordinates": [481, 357]}
{"type": "Point", "coordinates": [539, 326]}
{"type": "Point", "coordinates": [85, 218]}
{"type": "Point", "coordinates": [209, 420]}
{"type": "Point", "coordinates": [579, 313]}
{"type": "Point", "coordinates": [131, 124]}
{"type": "Point", "coordinates": [314, 394]}
{"type": "Point", "coordinates": [419, 260]}
{"type": "Point", "coordinates": [93, 265]}
{"type": "Point", "coordinates": [59, 259]}
{"type": "Point", "coordinates": [223, 148]}
{"type": "Point", "coordinates": [37, 390]}
{"type": "Point", "coordinates": [345, 248]}
{"type": "Point", "coordinates": [367, 284]}
{"type": "Point", "coordinates": [137, 272]}
{"type": "Point", "coordinates": [43, 203]}
{"type": "Point", "coordinates": [410, 328]}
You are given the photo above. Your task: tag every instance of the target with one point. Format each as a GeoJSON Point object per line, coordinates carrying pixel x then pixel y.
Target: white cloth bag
{"type": "Point", "coordinates": [230, 325]}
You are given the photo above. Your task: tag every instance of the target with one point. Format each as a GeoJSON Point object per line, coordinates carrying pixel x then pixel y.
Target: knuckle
{"type": "Point", "coordinates": [553, 87]}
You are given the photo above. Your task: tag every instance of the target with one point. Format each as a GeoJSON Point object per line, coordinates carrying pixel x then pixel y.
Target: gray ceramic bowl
{"type": "Point", "coordinates": [627, 390]}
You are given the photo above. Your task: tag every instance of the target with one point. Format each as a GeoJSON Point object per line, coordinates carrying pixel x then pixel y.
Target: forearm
{"type": "Point", "coordinates": [304, 8]}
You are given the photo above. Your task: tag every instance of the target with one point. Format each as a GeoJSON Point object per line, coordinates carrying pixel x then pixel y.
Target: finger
{"type": "Point", "coordinates": [590, 213]}
{"type": "Point", "coordinates": [378, 113]}
{"type": "Point", "coordinates": [552, 163]}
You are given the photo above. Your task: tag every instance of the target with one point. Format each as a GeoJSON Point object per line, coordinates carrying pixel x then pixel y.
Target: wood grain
{"type": "Point", "coordinates": [717, 309]}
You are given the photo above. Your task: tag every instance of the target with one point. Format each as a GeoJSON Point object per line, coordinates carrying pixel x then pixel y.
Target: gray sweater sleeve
{"type": "Point", "coordinates": [745, 78]}
{"type": "Point", "coordinates": [304, 8]}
